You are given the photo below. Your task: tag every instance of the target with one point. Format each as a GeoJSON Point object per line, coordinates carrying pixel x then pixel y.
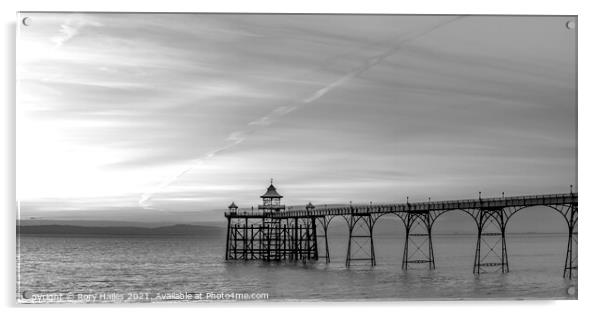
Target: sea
{"type": "Point", "coordinates": [192, 269]}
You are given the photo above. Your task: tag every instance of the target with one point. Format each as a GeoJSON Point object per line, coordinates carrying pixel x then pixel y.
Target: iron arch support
{"type": "Point", "coordinates": [439, 213]}
{"type": "Point", "coordinates": [360, 237]}
{"type": "Point", "coordinates": [569, 213]}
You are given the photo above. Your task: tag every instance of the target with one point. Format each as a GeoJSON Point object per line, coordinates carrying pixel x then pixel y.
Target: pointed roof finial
{"type": "Point", "coordinates": [271, 191]}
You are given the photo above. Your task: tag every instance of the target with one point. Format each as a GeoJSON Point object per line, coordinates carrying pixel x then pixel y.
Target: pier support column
{"type": "Point", "coordinates": [277, 231]}
{"type": "Point", "coordinates": [296, 246]}
{"type": "Point", "coordinates": [228, 232]}
{"type": "Point", "coordinates": [418, 246]}
{"type": "Point", "coordinates": [235, 239]}
{"type": "Point", "coordinates": [570, 262]}
{"type": "Point", "coordinates": [272, 239]}
{"type": "Point", "coordinates": [324, 222]}
{"type": "Point", "coordinates": [305, 250]}
{"type": "Point", "coordinates": [491, 254]}
{"type": "Point", "coordinates": [360, 246]}
{"type": "Point", "coordinates": [314, 239]}
{"type": "Point", "coordinates": [245, 244]}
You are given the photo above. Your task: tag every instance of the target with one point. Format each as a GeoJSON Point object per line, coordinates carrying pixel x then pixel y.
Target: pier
{"type": "Point", "coordinates": [274, 233]}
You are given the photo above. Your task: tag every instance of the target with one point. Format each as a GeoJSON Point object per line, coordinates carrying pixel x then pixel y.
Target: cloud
{"type": "Point", "coordinates": [265, 121]}
{"type": "Point", "coordinates": [180, 106]}
{"type": "Point", "coordinates": [70, 28]}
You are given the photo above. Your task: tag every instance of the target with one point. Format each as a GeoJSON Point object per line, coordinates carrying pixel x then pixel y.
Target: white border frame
{"type": "Point", "coordinates": [588, 158]}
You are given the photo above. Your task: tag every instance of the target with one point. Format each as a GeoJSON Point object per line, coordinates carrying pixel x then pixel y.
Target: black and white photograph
{"type": "Point", "coordinates": [274, 157]}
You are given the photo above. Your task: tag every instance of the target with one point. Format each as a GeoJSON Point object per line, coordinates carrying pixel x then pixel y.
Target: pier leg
{"type": "Point", "coordinates": [291, 240]}
{"type": "Point", "coordinates": [314, 239]}
{"type": "Point", "coordinates": [360, 239]}
{"type": "Point", "coordinates": [272, 240]}
{"type": "Point", "coordinates": [372, 254]}
{"type": "Point", "coordinates": [227, 256]}
{"type": "Point", "coordinates": [491, 254]}
{"type": "Point", "coordinates": [252, 243]}
{"type": "Point", "coordinates": [245, 241]}
{"type": "Point", "coordinates": [348, 255]}
{"type": "Point", "coordinates": [570, 261]}
{"type": "Point", "coordinates": [296, 238]}
{"type": "Point", "coordinates": [326, 247]}
{"type": "Point", "coordinates": [279, 240]}
{"type": "Point", "coordinates": [278, 246]}
{"type": "Point", "coordinates": [268, 240]}
{"type": "Point", "coordinates": [283, 240]}
{"type": "Point", "coordinates": [418, 245]}
{"type": "Point", "coordinates": [261, 246]}
{"type": "Point", "coordinates": [324, 223]}
{"type": "Point", "coordinates": [235, 239]}
{"type": "Point", "coordinates": [306, 239]}
{"type": "Point", "coordinates": [477, 253]}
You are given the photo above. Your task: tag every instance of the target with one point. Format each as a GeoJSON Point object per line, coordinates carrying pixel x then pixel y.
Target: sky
{"type": "Point", "coordinates": [171, 117]}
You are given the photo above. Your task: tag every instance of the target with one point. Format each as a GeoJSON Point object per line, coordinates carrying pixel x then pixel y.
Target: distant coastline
{"type": "Point", "coordinates": [181, 230]}
{"type": "Point", "coordinates": [68, 230]}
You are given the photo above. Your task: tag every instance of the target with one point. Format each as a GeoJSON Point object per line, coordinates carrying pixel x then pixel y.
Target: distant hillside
{"type": "Point", "coordinates": [175, 230]}
{"type": "Point", "coordinates": [106, 223]}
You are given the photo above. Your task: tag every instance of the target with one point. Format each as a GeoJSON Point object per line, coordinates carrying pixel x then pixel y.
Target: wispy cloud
{"type": "Point", "coordinates": [182, 107]}
{"type": "Point", "coordinates": [238, 137]}
{"type": "Point", "coordinates": [71, 28]}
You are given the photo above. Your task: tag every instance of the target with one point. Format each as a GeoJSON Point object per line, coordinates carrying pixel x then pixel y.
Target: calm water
{"type": "Point", "coordinates": [152, 269]}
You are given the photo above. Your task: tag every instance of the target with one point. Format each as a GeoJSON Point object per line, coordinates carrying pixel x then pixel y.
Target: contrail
{"type": "Point", "coordinates": [240, 136]}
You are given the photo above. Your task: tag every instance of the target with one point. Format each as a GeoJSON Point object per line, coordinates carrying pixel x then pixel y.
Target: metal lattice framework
{"type": "Point", "coordinates": [418, 246]}
{"type": "Point", "coordinates": [294, 234]}
{"type": "Point", "coordinates": [360, 246]}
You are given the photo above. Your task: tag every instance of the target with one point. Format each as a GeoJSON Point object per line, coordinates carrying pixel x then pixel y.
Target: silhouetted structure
{"type": "Point", "coordinates": [260, 235]}
{"type": "Point", "coordinates": [273, 233]}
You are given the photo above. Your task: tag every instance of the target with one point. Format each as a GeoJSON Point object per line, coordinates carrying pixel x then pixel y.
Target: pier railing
{"type": "Point", "coordinates": [484, 203]}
